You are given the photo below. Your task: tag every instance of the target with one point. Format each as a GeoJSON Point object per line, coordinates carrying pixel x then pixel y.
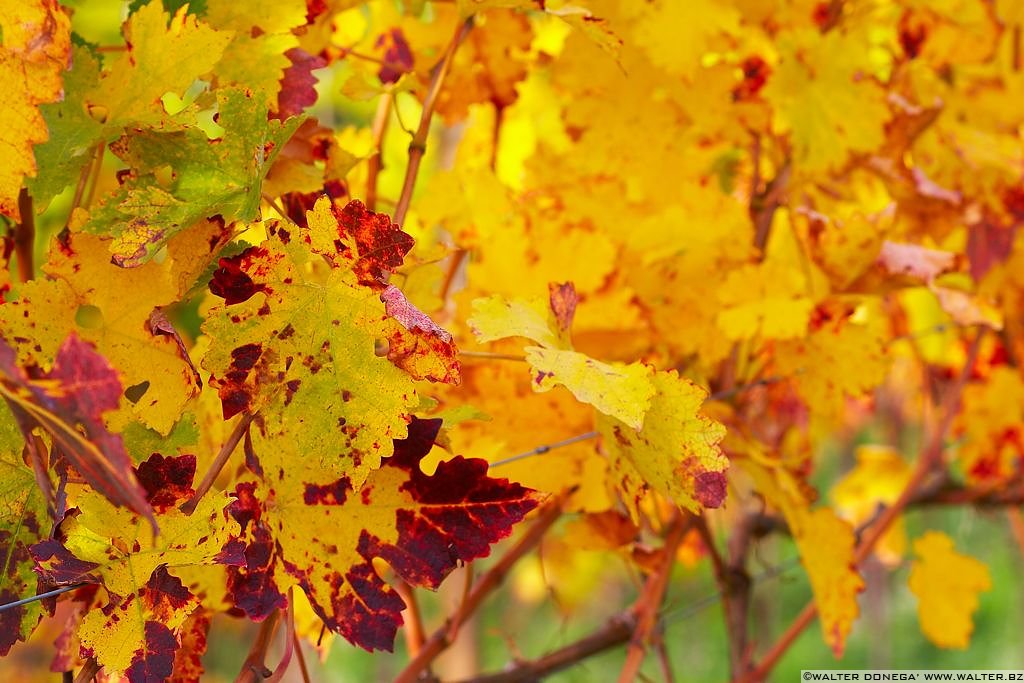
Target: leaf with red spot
{"type": "Point", "coordinates": [143, 604]}
{"type": "Point", "coordinates": [418, 345]}
{"type": "Point", "coordinates": [676, 451]}
{"type": "Point", "coordinates": [73, 396]}
{"type": "Point", "coordinates": [138, 635]}
{"type": "Point", "coordinates": [296, 339]}
{"type": "Point", "coordinates": [380, 245]}
{"type": "Point", "coordinates": [188, 660]}
{"type": "Point", "coordinates": [322, 533]}
{"type": "Point", "coordinates": [97, 542]}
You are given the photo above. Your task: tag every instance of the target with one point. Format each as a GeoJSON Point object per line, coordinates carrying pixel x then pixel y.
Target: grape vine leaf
{"type": "Point", "coordinates": [163, 54]}
{"type": "Point", "coordinates": [68, 402]}
{"type": "Point", "coordinates": [947, 585]}
{"type": "Point", "coordinates": [826, 544]}
{"type": "Point", "coordinates": [676, 452]}
{"type": "Point", "coordinates": [220, 177]}
{"type": "Point", "coordinates": [616, 389]}
{"type": "Point", "coordinates": [139, 627]}
{"type": "Point", "coordinates": [297, 332]}
{"type": "Point", "coordinates": [821, 99]}
{"type": "Point", "coordinates": [112, 307]}
{"type": "Point", "coordinates": [314, 529]}
{"type": "Point", "coordinates": [35, 52]}
{"type": "Point", "coordinates": [23, 518]}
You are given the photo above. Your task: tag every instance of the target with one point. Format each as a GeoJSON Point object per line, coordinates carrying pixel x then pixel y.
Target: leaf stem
{"type": "Point", "coordinates": [419, 142]}
{"type": "Point", "coordinates": [414, 631]}
{"type": "Point", "coordinates": [492, 356]}
{"type": "Point", "coordinates": [443, 636]}
{"type": "Point", "coordinates": [218, 462]}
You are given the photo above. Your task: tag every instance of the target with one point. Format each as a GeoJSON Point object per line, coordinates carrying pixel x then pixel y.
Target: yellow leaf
{"type": "Point", "coordinates": [822, 99]}
{"type": "Point", "coordinates": [496, 318]}
{"type": "Point", "coordinates": [947, 585]}
{"type": "Point", "coordinates": [676, 35]}
{"type": "Point", "coordinates": [826, 544]}
{"type": "Point", "coordinates": [826, 549]}
{"type": "Point", "coordinates": [879, 478]}
{"type": "Point", "coordinates": [111, 307]}
{"type": "Point", "coordinates": [617, 390]}
{"type": "Point", "coordinates": [35, 52]}
{"type": "Point", "coordinates": [163, 56]}
{"type": "Point", "coordinates": [676, 452]}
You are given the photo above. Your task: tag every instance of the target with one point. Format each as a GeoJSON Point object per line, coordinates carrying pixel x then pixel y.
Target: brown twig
{"type": "Point", "coordinates": [499, 118]}
{"type": "Point", "coordinates": [254, 668]}
{"type": "Point", "coordinates": [376, 162]}
{"type": "Point", "coordinates": [764, 205]}
{"type": "Point", "coordinates": [649, 602]}
{"type": "Point", "coordinates": [455, 262]}
{"type": "Point", "coordinates": [94, 175]}
{"type": "Point", "coordinates": [734, 585]}
{"type": "Point", "coordinates": [419, 142]}
{"type": "Point", "coordinates": [930, 457]}
{"type": "Point", "coordinates": [1016, 521]}
{"type": "Point", "coordinates": [88, 672]}
{"type": "Point", "coordinates": [443, 636]}
{"type": "Point", "coordinates": [218, 463]}
{"type": "Point", "coordinates": [413, 618]}
{"type": "Point", "coordinates": [615, 632]}
{"type": "Point", "coordinates": [25, 237]}
{"type": "Point", "coordinates": [83, 179]}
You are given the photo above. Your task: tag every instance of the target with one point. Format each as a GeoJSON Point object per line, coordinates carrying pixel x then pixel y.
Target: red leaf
{"type": "Point", "coordinates": [297, 83]}
{"type": "Point", "coordinates": [455, 516]}
{"type": "Point", "coordinates": [168, 481]}
{"type": "Point", "coordinates": [397, 55]}
{"type": "Point", "coordinates": [381, 245]}
{"type": "Point", "coordinates": [562, 299]}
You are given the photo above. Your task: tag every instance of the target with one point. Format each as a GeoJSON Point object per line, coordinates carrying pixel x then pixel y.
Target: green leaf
{"type": "Point", "coordinates": [222, 177]}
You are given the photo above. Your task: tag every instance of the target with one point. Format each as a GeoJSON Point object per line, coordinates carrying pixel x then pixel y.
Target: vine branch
{"type": "Point", "coordinates": [649, 602]}
{"type": "Point", "coordinates": [419, 142]}
{"type": "Point", "coordinates": [218, 462]}
{"type": "Point", "coordinates": [930, 456]}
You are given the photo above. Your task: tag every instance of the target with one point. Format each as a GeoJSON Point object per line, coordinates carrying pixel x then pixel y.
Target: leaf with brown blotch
{"type": "Point", "coordinates": [322, 533]}
{"type": "Point", "coordinates": [74, 395]}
